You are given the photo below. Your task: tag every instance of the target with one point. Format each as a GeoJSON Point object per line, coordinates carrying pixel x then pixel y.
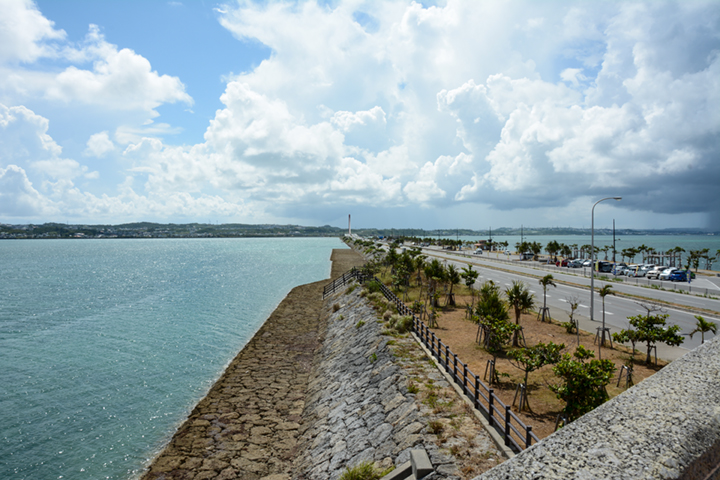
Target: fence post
{"type": "Point", "coordinates": [465, 389]}
{"type": "Point", "coordinates": [491, 394]}
{"type": "Point", "coordinates": [507, 425]}
{"type": "Point", "coordinates": [447, 358]}
{"type": "Point", "coordinates": [528, 438]}
{"type": "Point", "coordinates": [455, 375]}
{"type": "Point", "coordinates": [476, 401]}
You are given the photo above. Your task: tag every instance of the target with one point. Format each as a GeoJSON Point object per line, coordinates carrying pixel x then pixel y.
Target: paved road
{"type": "Point", "coordinates": [617, 308]}
{"type": "Point", "coordinates": [581, 276]}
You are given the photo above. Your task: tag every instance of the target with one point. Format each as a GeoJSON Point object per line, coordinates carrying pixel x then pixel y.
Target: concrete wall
{"type": "Point", "coordinates": [666, 427]}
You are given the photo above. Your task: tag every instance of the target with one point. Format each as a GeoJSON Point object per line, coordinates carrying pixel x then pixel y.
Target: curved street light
{"type": "Point", "coordinates": [592, 258]}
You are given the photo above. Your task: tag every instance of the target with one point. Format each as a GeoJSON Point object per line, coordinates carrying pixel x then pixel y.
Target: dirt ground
{"type": "Point", "coordinates": [459, 333]}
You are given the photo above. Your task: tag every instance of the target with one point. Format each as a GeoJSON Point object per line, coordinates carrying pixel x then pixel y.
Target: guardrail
{"type": "Point", "coordinates": [515, 433]}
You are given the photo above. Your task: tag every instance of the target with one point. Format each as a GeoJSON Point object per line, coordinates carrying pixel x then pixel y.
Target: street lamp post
{"type": "Point", "coordinates": [592, 257]}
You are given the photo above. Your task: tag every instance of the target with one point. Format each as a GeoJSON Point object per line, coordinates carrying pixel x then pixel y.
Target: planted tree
{"type": "Point", "coordinates": [435, 274]}
{"type": "Point", "coordinates": [703, 326]}
{"type": "Point", "coordinates": [583, 382]}
{"type": "Point", "coordinates": [572, 325]}
{"type": "Point", "coordinates": [452, 276]}
{"type": "Point", "coordinates": [651, 329]}
{"type": "Point", "coordinates": [489, 305]}
{"type": "Point", "coordinates": [470, 276]}
{"type": "Point", "coordinates": [520, 298]}
{"type": "Point", "coordinates": [604, 292]}
{"type": "Point", "coordinates": [552, 248]}
{"type": "Point", "coordinates": [497, 334]}
{"type": "Point", "coordinates": [533, 358]}
{"type": "Point", "coordinates": [535, 248]}
{"type": "Point", "coordinates": [546, 282]}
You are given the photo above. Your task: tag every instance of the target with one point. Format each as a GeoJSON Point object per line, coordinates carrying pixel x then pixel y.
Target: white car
{"type": "Point", "coordinates": [665, 275]}
{"type": "Point", "coordinates": [655, 272]}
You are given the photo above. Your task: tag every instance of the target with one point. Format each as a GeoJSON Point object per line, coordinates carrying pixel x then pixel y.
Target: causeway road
{"type": "Point", "coordinates": [681, 307]}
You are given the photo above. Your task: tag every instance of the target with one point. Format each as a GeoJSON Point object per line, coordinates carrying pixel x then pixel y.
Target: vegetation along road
{"type": "Point", "coordinates": [682, 308]}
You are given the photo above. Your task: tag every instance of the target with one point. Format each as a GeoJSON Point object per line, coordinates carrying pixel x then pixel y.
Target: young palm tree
{"type": "Point", "coordinates": [453, 278]}
{"type": "Point", "coordinates": [604, 292]}
{"type": "Point", "coordinates": [521, 300]}
{"type": "Point", "coordinates": [546, 281]}
{"type": "Point", "coordinates": [703, 326]}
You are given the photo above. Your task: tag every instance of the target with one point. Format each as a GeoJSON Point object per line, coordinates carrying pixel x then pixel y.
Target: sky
{"type": "Point", "coordinates": [448, 114]}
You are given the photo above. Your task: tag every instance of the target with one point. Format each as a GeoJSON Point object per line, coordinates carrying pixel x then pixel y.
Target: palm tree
{"type": "Point", "coordinates": [546, 281]}
{"type": "Point", "coordinates": [552, 248]}
{"type": "Point", "coordinates": [565, 250]}
{"type": "Point", "coordinates": [521, 300]}
{"type": "Point", "coordinates": [453, 278]}
{"type": "Point", "coordinates": [604, 292]}
{"type": "Point", "coordinates": [703, 326]}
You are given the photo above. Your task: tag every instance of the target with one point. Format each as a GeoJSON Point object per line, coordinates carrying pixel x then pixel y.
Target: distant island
{"type": "Point", "coordinates": [239, 230]}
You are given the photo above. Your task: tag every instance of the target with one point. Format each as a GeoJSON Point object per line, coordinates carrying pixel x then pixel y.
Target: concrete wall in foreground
{"type": "Point", "coordinates": [666, 427]}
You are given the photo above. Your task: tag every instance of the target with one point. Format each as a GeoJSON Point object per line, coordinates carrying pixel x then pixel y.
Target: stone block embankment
{"type": "Point", "coordinates": [358, 405]}
{"type": "Point", "coordinates": [666, 427]}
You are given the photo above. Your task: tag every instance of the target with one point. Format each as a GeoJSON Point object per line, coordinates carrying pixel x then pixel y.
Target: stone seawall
{"type": "Point", "coordinates": [359, 407]}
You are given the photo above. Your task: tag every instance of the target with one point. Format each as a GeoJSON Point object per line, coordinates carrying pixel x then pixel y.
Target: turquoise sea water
{"type": "Point", "coordinates": [106, 345]}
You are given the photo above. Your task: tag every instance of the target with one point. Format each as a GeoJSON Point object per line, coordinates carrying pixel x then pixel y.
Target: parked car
{"type": "Point", "coordinates": [478, 251]}
{"type": "Point", "coordinates": [605, 267]}
{"type": "Point", "coordinates": [655, 271]}
{"type": "Point", "coordinates": [587, 263]}
{"type": "Point", "coordinates": [620, 270]}
{"type": "Point", "coordinates": [564, 263]}
{"type": "Point", "coordinates": [574, 263]}
{"type": "Point", "coordinates": [678, 276]}
{"type": "Point", "coordinates": [665, 275]}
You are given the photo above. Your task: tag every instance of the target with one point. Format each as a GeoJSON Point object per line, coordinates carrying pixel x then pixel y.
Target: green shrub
{"type": "Point", "coordinates": [350, 289]}
{"type": "Point", "coordinates": [570, 327]}
{"type": "Point", "coordinates": [373, 286]}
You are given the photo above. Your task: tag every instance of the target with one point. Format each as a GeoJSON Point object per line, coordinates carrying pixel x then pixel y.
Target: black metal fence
{"type": "Point", "coordinates": [515, 433]}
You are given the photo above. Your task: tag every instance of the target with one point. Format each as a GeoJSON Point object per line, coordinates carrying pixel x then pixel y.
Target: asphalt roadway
{"type": "Point", "coordinates": [681, 307]}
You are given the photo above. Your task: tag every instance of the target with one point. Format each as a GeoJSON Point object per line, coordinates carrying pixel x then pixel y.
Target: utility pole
{"type": "Point", "coordinates": [613, 240]}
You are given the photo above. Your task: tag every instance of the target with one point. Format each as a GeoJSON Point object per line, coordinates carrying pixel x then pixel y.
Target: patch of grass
{"type": "Point", "coordinates": [435, 427]}
{"type": "Point", "coordinates": [373, 357]}
{"type": "Point", "coordinates": [362, 471]}
{"type": "Point", "coordinates": [359, 324]}
{"type": "Point", "coordinates": [336, 307]}
{"type": "Point", "coordinates": [412, 388]}
{"type": "Point", "coordinates": [350, 289]}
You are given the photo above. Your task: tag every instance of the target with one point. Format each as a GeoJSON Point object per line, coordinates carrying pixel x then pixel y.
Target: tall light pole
{"type": "Point", "coordinates": [592, 254]}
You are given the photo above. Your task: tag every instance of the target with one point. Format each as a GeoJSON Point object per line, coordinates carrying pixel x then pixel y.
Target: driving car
{"type": "Point", "coordinates": [665, 275]}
